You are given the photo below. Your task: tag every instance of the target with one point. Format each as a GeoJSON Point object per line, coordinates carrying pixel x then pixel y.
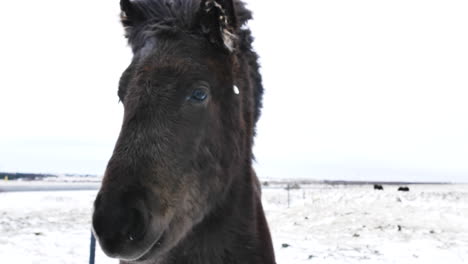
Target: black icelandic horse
{"type": "Point", "coordinates": [403, 189]}
{"type": "Point", "coordinates": [378, 187]}
{"type": "Point", "coordinates": [179, 187]}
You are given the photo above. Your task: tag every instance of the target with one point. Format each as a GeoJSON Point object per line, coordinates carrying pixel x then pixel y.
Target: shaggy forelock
{"type": "Point", "coordinates": [169, 15]}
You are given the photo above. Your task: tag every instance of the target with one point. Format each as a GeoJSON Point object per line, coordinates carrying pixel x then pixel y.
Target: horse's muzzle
{"type": "Point", "coordinates": [121, 224]}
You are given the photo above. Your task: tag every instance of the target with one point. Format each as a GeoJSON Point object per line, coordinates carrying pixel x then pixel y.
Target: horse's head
{"type": "Point", "coordinates": [188, 123]}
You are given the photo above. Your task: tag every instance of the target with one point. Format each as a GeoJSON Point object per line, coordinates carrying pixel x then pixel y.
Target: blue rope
{"type": "Point", "coordinates": [92, 249]}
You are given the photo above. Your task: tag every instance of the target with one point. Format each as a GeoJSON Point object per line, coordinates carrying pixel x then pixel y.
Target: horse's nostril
{"type": "Point", "coordinates": [136, 225]}
{"type": "Point", "coordinates": [117, 224]}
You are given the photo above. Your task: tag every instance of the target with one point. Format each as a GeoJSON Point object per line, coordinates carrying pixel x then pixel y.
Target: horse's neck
{"type": "Point", "coordinates": [236, 232]}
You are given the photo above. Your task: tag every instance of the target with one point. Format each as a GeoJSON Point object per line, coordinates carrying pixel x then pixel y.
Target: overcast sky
{"type": "Point", "coordinates": [361, 90]}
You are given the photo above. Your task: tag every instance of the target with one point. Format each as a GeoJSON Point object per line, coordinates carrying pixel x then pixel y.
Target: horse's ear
{"type": "Point", "coordinates": [130, 15]}
{"type": "Point", "coordinates": [217, 20]}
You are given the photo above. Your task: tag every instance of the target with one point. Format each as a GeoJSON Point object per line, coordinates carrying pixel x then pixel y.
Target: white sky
{"type": "Point", "coordinates": [361, 90]}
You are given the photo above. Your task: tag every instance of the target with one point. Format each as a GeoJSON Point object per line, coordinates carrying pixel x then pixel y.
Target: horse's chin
{"type": "Point", "coordinates": [165, 243]}
{"type": "Point", "coordinates": [156, 248]}
{"type": "Point", "coordinates": [150, 250]}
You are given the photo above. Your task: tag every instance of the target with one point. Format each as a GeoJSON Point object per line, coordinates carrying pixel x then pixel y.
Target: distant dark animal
{"type": "Point", "coordinates": [403, 189]}
{"type": "Point", "coordinates": [378, 187]}
{"type": "Point", "coordinates": [180, 187]}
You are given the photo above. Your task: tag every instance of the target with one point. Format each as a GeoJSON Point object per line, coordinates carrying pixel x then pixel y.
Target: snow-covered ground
{"type": "Point", "coordinates": [323, 224]}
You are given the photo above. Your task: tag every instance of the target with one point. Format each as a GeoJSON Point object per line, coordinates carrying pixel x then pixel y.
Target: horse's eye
{"type": "Point", "coordinates": [198, 95]}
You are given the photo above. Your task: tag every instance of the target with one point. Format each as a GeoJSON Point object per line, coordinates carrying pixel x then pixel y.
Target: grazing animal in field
{"type": "Point", "coordinates": [180, 187]}
{"type": "Point", "coordinates": [378, 187]}
{"type": "Point", "coordinates": [403, 189]}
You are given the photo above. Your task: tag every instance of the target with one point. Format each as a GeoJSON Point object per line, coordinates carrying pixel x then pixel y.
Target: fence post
{"type": "Point", "coordinates": [92, 249]}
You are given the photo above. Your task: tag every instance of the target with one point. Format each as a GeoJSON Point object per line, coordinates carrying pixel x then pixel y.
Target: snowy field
{"type": "Point", "coordinates": [322, 224]}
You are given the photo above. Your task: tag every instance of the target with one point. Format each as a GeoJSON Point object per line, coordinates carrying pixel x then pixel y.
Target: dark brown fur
{"type": "Point", "coordinates": [179, 187]}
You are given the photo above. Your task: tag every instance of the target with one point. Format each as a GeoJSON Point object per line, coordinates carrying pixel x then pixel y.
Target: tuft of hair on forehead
{"type": "Point", "coordinates": [166, 15]}
{"type": "Point", "coordinates": [181, 12]}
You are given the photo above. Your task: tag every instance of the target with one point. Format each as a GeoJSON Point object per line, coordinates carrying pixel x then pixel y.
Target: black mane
{"type": "Point", "coordinates": [154, 15]}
